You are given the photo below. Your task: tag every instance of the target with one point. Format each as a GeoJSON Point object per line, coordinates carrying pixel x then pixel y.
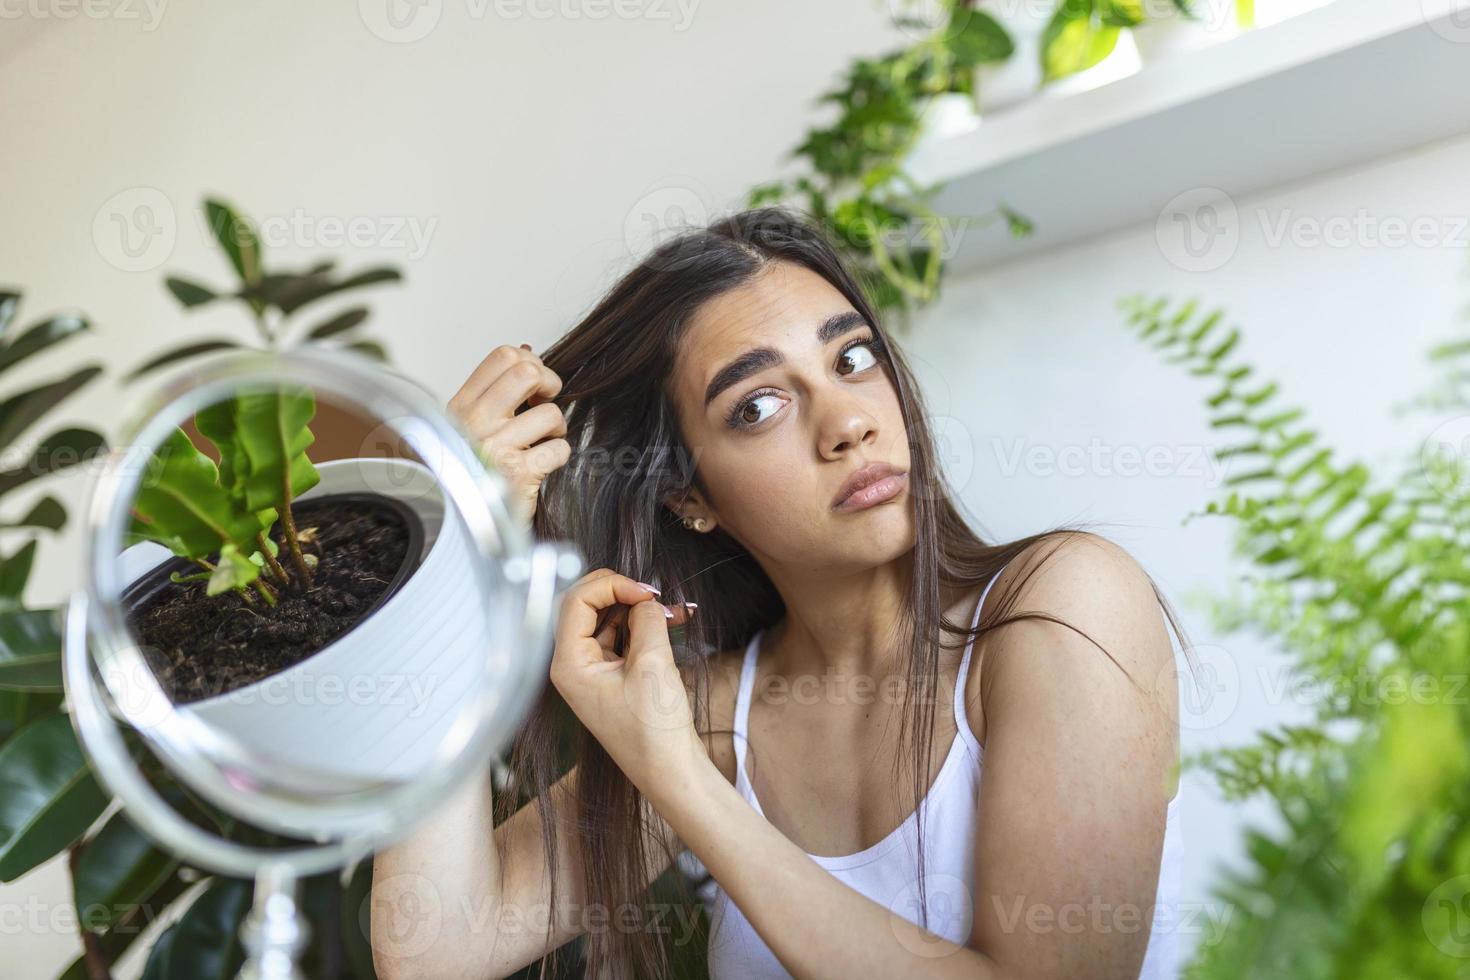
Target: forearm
{"type": "Point", "coordinates": [434, 892]}
{"type": "Point", "coordinates": [817, 926]}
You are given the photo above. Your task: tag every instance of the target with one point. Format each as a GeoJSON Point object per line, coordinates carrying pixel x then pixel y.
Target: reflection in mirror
{"type": "Point", "coordinates": [295, 579]}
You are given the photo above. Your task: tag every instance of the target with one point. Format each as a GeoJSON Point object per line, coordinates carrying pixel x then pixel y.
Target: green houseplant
{"type": "Point", "coordinates": [121, 882]}
{"type": "Point", "coordinates": [199, 510]}
{"type": "Point", "coordinates": [1364, 579]}
{"type": "Point", "coordinates": [854, 180]}
{"type": "Point", "coordinates": [276, 300]}
{"type": "Point", "coordinates": [30, 640]}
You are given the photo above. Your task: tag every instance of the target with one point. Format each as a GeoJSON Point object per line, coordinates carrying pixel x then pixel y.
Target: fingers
{"type": "Point", "coordinates": [510, 389]}
{"type": "Point", "coordinates": [648, 630]}
{"type": "Point", "coordinates": [601, 590]}
{"type": "Point", "coordinates": [590, 595]}
{"type": "Point", "coordinates": [527, 467]}
{"type": "Point", "coordinates": [534, 424]}
{"type": "Point", "coordinates": [538, 381]}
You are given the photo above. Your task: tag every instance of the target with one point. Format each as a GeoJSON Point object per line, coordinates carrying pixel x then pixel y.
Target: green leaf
{"type": "Point", "coordinates": [14, 573]}
{"type": "Point", "coordinates": [273, 430]}
{"type": "Point", "coordinates": [355, 920]}
{"type": "Point", "coordinates": [119, 868]}
{"type": "Point", "coordinates": [979, 40]}
{"type": "Point", "coordinates": [120, 937]}
{"type": "Point", "coordinates": [237, 238]}
{"type": "Point", "coordinates": [48, 514]}
{"type": "Point", "coordinates": [58, 451]}
{"type": "Point", "coordinates": [20, 708]}
{"type": "Point", "coordinates": [234, 571]}
{"type": "Point", "coordinates": [219, 425]}
{"type": "Point", "coordinates": [289, 292]}
{"type": "Point", "coordinates": [48, 797]}
{"type": "Point", "coordinates": [205, 943]}
{"type": "Point", "coordinates": [19, 411]}
{"type": "Point", "coordinates": [1017, 223]}
{"type": "Point", "coordinates": [340, 323]}
{"type": "Point", "coordinates": [1121, 13]}
{"type": "Point", "coordinates": [39, 338]}
{"type": "Point", "coordinates": [190, 294]}
{"type": "Point", "coordinates": [30, 650]}
{"type": "Point", "coordinates": [1074, 40]}
{"type": "Point", "coordinates": [180, 354]}
{"type": "Point", "coordinates": [180, 503]}
{"type": "Point", "coordinates": [369, 348]}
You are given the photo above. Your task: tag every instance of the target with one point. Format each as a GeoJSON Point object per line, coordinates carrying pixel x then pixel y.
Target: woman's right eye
{"type": "Point", "coordinates": [753, 410]}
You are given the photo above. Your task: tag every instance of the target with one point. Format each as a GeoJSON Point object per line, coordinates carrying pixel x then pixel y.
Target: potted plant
{"type": "Point", "coordinates": [265, 587]}
{"type": "Point", "coordinates": [856, 183]}
{"type": "Point", "coordinates": [1016, 78]}
{"type": "Point", "coordinates": [1167, 27]}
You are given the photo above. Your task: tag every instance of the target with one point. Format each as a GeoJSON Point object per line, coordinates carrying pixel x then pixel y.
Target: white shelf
{"type": "Point", "coordinates": [1333, 87]}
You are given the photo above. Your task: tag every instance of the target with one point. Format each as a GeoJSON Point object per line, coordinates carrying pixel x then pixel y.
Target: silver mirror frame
{"type": "Point", "coordinates": [525, 577]}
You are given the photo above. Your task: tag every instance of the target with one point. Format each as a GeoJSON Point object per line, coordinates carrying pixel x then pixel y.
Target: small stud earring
{"type": "Point", "coordinates": [697, 523]}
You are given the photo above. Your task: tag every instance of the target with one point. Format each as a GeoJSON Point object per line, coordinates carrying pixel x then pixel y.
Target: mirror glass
{"type": "Point", "coordinates": [307, 615]}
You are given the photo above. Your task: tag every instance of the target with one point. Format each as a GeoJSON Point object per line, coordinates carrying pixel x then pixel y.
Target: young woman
{"type": "Point", "coordinates": [811, 666]}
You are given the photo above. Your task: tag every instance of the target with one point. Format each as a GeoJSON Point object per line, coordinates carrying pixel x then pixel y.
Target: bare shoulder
{"type": "Point", "coordinates": [1101, 592]}
{"type": "Point", "coordinates": [722, 674]}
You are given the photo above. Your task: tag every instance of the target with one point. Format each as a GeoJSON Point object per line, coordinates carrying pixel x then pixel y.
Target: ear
{"type": "Point", "coordinates": [690, 503]}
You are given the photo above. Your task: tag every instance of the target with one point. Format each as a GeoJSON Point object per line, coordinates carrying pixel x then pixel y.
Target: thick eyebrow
{"type": "Point", "coordinates": [757, 359]}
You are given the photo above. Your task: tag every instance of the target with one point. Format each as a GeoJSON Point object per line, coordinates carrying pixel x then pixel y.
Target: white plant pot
{"type": "Point", "coordinates": [376, 702]}
{"type": "Point", "coordinates": [947, 114]}
{"type": "Point", "coordinates": [1166, 32]}
{"type": "Point", "coordinates": [1018, 78]}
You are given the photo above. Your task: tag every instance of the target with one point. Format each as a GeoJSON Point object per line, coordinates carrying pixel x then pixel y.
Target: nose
{"type": "Point", "coordinates": [846, 424]}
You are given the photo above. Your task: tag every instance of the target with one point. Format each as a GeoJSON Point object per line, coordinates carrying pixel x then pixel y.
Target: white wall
{"type": "Point", "coordinates": [526, 147]}
{"type": "Point", "coordinates": [531, 154]}
{"type": "Point", "coordinates": [1034, 364]}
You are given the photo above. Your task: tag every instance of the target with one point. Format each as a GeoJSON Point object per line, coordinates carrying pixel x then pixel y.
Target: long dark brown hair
{"type": "Point", "coordinates": [627, 458]}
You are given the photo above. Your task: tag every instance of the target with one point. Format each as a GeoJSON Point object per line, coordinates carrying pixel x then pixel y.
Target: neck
{"type": "Point", "coordinates": [843, 621]}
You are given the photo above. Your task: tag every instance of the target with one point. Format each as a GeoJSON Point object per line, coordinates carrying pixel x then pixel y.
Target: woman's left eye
{"type": "Point", "coordinates": [758, 406]}
{"type": "Point", "coordinates": [859, 362]}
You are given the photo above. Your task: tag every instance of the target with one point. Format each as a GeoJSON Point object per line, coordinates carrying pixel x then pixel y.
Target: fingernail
{"type": "Point", "coordinates": [692, 605]}
{"type": "Point", "coordinates": [649, 587]}
{"type": "Point", "coordinates": [668, 613]}
{"type": "Point", "coordinates": [525, 347]}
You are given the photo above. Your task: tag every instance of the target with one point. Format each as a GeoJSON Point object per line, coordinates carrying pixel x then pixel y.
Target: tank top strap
{"type": "Point", "coordinates": [743, 697]}
{"type": "Point", "coordinates": [961, 717]}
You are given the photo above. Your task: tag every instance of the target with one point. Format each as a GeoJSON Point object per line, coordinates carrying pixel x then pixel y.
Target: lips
{"type": "Point", "coordinates": [866, 476]}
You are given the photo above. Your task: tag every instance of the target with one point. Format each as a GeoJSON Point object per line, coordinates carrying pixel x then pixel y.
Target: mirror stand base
{"type": "Point", "coordinates": [274, 933]}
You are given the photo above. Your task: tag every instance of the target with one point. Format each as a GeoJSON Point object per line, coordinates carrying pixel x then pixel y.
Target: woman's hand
{"type": "Point", "coordinates": [636, 705]}
{"type": "Point", "coordinates": [523, 446]}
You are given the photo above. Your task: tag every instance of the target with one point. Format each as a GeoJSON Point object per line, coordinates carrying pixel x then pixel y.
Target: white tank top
{"type": "Point", "coordinates": [886, 872]}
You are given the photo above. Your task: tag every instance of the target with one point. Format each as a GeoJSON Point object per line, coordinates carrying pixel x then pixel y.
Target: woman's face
{"type": "Point", "coordinates": [774, 442]}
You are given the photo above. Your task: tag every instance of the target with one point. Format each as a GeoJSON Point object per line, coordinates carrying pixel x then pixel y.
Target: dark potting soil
{"type": "Point", "coordinates": [201, 646]}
